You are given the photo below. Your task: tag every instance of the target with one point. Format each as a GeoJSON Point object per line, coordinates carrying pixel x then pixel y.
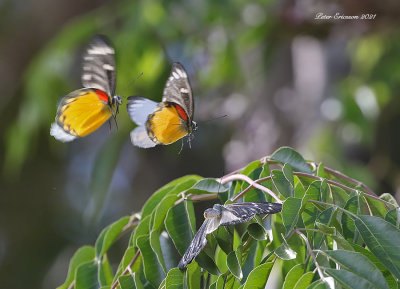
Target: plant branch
{"type": "Point", "coordinates": [252, 183]}
{"type": "Point", "coordinates": [127, 269]}
{"type": "Point", "coordinates": [321, 275]}
{"type": "Point", "coordinates": [374, 196]}
{"type": "Point", "coordinates": [72, 285]}
{"type": "Point", "coordinates": [238, 196]}
{"type": "Point", "coordinates": [348, 179]}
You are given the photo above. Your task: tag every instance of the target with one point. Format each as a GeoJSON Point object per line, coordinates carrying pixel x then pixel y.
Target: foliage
{"type": "Point", "coordinates": [332, 231]}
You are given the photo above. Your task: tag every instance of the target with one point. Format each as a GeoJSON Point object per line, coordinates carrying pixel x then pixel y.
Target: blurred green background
{"type": "Point", "coordinates": [330, 89]}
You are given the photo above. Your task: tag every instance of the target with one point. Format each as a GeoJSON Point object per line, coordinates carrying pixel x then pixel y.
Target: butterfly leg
{"type": "Point", "coordinates": [181, 148]}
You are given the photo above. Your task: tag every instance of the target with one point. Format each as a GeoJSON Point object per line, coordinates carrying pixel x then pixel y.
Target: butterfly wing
{"type": "Point", "coordinates": [199, 241]}
{"type": "Point", "coordinates": [139, 109]}
{"type": "Point", "coordinates": [80, 113]}
{"type": "Point", "coordinates": [243, 212]}
{"type": "Point", "coordinates": [99, 65]}
{"type": "Point", "coordinates": [178, 89]}
{"type": "Point", "coordinates": [165, 125]}
{"type": "Point", "coordinates": [140, 138]}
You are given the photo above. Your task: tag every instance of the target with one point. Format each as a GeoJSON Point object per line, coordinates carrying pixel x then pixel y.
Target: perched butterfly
{"type": "Point", "coordinates": [167, 121]}
{"type": "Point", "coordinates": [84, 110]}
{"type": "Point", "coordinates": [224, 215]}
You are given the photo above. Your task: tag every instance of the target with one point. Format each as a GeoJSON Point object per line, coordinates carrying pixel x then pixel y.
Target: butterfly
{"type": "Point", "coordinates": [168, 121]}
{"type": "Point", "coordinates": [84, 110]}
{"type": "Point", "coordinates": [224, 215]}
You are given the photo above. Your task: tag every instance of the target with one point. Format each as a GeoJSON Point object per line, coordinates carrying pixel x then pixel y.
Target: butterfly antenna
{"type": "Point", "coordinates": [215, 118]}
{"type": "Point", "coordinates": [181, 148]}
{"type": "Point", "coordinates": [115, 120]}
{"type": "Point", "coordinates": [132, 82]}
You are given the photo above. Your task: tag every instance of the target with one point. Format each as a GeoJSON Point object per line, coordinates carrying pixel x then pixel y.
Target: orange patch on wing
{"type": "Point", "coordinates": [165, 125]}
{"type": "Point", "coordinates": [181, 112]}
{"type": "Point", "coordinates": [102, 95]}
{"type": "Point", "coordinates": [82, 114]}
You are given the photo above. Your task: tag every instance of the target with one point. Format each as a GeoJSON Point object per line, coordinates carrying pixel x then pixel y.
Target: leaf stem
{"type": "Point", "coordinates": [321, 275]}
{"type": "Point", "coordinates": [252, 183]}
{"type": "Point", "coordinates": [127, 269]}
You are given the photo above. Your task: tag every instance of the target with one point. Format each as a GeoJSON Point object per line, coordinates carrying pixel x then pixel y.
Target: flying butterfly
{"type": "Point", "coordinates": [225, 215]}
{"type": "Point", "coordinates": [168, 121]}
{"type": "Point", "coordinates": [84, 110]}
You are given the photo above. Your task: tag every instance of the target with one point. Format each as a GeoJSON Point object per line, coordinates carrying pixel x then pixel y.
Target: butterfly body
{"type": "Point", "coordinates": [168, 121]}
{"type": "Point", "coordinates": [83, 111]}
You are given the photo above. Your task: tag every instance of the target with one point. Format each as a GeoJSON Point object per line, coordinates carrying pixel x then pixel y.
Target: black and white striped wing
{"type": "Point", "coordinates": [99, 65]}
{"type": "Point", "coordinates": [243, 212]}
{"type": "Point", "coordinates": [199, 241]}
{"type": "Point", "coordinates": [178, 89]}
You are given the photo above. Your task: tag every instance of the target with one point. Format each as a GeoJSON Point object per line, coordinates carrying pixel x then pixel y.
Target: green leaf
{"type": "Point", "coordinates": [299, 190]}
{"type": "Point", "coordinates": [385, 272]}
{"type": "Point", "coordinates": [207, 263]}
{"type": "Point", "coordinates": [127, 282]}
{"type": "Point", "coordinates": [284, 187]}
{"type": "Point", "coordinates": [153, 270]}
{"type": "Point", "coordinates": [376, 207]}
{"type": "Point", "coordinates": [393, 217]}
{"type": "Point", "coordinates": [340, 196]}
{"type": "Point", "coordinates": [220, 260]}
{"type": "Point", "coordinates": [233, 264]}
{"type": "Point", "coordinates": [179, 185]}
{"type": "Point", "coordinates": [310, 212]}
{"type": "Point", "coordinates": [142, 229]}
{"type": "Point", "coordinates": [248, 257]}
{"type": "Point", "coordinates": [207, 186]}
{"type": "Point", "coordinates": [288, 173]}
{"type": "Point", "coordinates": [290, 156]}
{"type": "Point", "coordinates": [250, 167]}
{"type": "Point", "coordinates": [161, 210]}
{"type": "Point", "coordinates": [389, 198]}
{"type": "Point", "coordinates": [109, 235]}
{"type": "Point", "coordinates": [319, 284]}
{"type": "Point", "coordinates": [347, 222]}
{"type": "Point", "coordinates": [193, 276]}
{"type": "Point", "coordinates": [105, 272]}
{"type": "Point", "coordinates": [84, 254]}
{"type": "Point", "coordinates": [257, 231]}
{"type": "Point", "coordinates": [382, 238]}
{"type": "Point", "coordinates": [86, 276]}
{"type": "Point", "coordinates": [284, 251]}
{"type": "Point", "coordinates": [224, 239]}
{"type": "Point", "coordinates": [126, 259]}
{"type": "Point", "coordinates": [175, 279]}
{"type": "Point", "coordinates": [359, 265]}
{"type": "Point", "coordinates": [179, 226]}
{"type": "Point", "coordinates": [290, 213]}
{"type": "Point", "coordinates": [304, 281]}
{"type": "Point", "coordinates": [259, 276]}
{"type": "Point", "coordinates": [293, 276]}
{"type": "Point", "coordinates": [156, 246]}
{"type": "Point", "coordinates": [321, 171]}
{"type": "Point", "coordinates": [350, 280]}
